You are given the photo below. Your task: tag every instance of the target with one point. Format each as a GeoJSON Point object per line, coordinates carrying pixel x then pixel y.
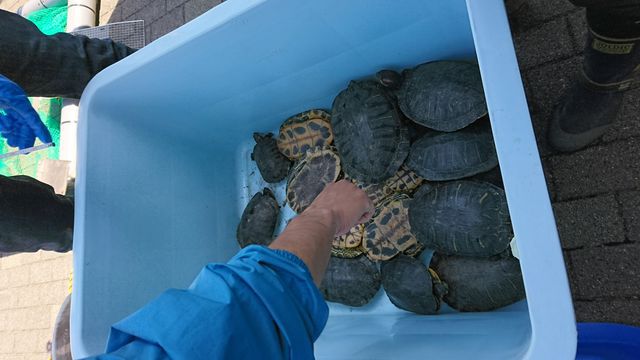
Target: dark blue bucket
{"type": "Point", "coordinates": [603, 341]}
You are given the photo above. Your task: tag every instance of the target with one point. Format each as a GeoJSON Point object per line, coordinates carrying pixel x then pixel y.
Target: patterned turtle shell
{"type": "Point", "coordinates": [403, 181]}
{"type": "Point", "coordinates": [412, 286]}
{"type": "Point", "coordinates": [319, 167]}
{"type": "Point", "coordinates": [451, 156]}
{"type": "Point", "coordinates": [258, 220]}
{"type": "Point", "coordinates": [389, 232]}
{"type": "Point", "coordinates": [347, 253]}
{"type": "Point", "coordinates": [464, 218]}
{"type": "Point", "coordinates": [481, 284]}
{"type": "Point", "coordinates": [441, 95]}
{"type": "Point", "coordinates": [305, 131]}
{"type": "Point", "coordinates": [369, 134]}
{"type": "Point", "coordinates": [351, 239]}
{"type": "Point", "coordinates": [273, 166]}
{"type": "Point", "coordinates": [353, 282]}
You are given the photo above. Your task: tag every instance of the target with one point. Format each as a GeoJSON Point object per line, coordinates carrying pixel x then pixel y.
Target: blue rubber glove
{"type": "Point", "coordinates": [19, 122]}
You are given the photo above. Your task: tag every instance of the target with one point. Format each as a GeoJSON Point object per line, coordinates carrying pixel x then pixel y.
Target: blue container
{"type": "Point", "coordinates": [602, 341]}
{"type": "Point", "coordinates": [164, 169]}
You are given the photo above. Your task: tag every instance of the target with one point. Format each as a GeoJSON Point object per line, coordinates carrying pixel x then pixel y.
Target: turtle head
{"type": "Point", "coordinates": [258, 137]}
{"type": "Point", "coordinates": [389, 79]}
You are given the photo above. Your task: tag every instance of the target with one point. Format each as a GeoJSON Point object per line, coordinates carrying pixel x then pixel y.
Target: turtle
{"type": "Point", "coordinates": [439, 156]}
{"type": "Point", "coordinates": [353, 282]}
{"type": "Point", "coordinates": [347, 253]}
{"type": "Point", "coordinates": [258, 219]}
{"type": "Point", "coordinates": [305, 131]}
{"type": "Point", "coordinates": [403, 181]}
{"type": "Point", "coordinates": [319, 167]}
{"type": "Point", "coordinates": [412, 286]}
{"type": "Point", "coordinates": [389, 233]}
{"type": "Point", "coordinates": [369, 134]}
{"type": "Point", "coordinates": [462, 217]}
{"type": "Point", "coordinates": [441, 95]}
{"type": "Point", "coordinates": [351, 239]}
{"type": "Point", "coordinates": [481, 284]}
{"type": "Point", "coordinates": [273, 166]}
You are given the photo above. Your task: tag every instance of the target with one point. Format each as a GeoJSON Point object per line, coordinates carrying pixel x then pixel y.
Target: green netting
{"type": "Point", "coordinates": [49, 21]}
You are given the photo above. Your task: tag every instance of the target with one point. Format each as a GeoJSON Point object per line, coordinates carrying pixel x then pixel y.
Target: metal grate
{"type": "Point", "coordinates": [130, 33]}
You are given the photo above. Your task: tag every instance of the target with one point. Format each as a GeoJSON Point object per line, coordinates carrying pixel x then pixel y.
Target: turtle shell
{"type": "Point", "coordinates": [272, 164]}
{"type": "Point", "coordinates": [258, 220]}
{"type": "Point", "coordinates": [403, 181]}
{"type": "Point", "coordinates": [450, 156]}
{"type": "Point", "coordinates": [305, 131]}
{"type": "Point", "coordinates": [351, 239]}
{"type": "Point", "coordinates": [310, 175]}
{"type": "Point", "coordinates": [347, 253]}
{"type": "Point", "coordinates": [353, 282]}
{"type": "Point", "coordinates": [443, 95]}
{"type": "Point", "coordinates": [462, 218]}
{"type": "Point", "coordinates": [389, 233]}
{"type": "Point", "coordinates": [481, 284]}
{"type": "Point", "coordinates": [369, 134]}
{"type": "Point", "coordinates": [409, 285]}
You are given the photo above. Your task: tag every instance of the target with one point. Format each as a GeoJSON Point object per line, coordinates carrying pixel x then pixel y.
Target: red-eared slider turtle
{"type": "Point", "coordinates": [462, 218]}
{"type": "Point", "coordinates": [481, 284]}
{"type": "Point", "coordinates": [441, 95]}
{"type": "Point", "coordinates": [353, 282]}
{"type": "Point", "coordinates": [347, 253]}
{"type": "Point", "coordinates": [389, 233]}
{"type": "Point", "coordinates": [369, 134]}
{"type": "Point", "coordinates": [319, 167]}
{"type": "Point", "coordinates": [412, 286]}
{"type": "Point", "coordinates": [272, 164]}
{"type": "Point", "coordinates": [305, 131]}
{"type": "Point", "coordinates": [351, 239]}
{"type": "Point", "coordinates": [450, 156]}
{"type": "Point", "coordinates": [403, 181]}
{"type": "Point", "coordinates": [258, 220]}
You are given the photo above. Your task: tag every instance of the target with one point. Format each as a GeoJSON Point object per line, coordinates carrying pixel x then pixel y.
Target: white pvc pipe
{"type": "Point", "coordinates": [80, 14]}
{"type": "Point", "coordinates": [35, 5]}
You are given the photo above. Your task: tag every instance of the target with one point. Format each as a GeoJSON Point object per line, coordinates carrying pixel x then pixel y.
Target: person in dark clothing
{"type": "Point", "coordinates": [32, 216]}
{"type": "Point", "coordinates": [611, 63]}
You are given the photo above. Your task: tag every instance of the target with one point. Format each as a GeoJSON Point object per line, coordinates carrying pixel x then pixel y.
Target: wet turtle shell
{"type": "Point", "coordinates": [272, 164]}
{"type": "Point", "coordinates": [369, 134]}
{"type": "Point", "coordinates": [319, 167]}
{"type": "Point", "coordinates": [389, 232]}
{"type": "Point", "coordinates": [441, 95]}
{"type": "Point", "coordinates": [481, 284]}
{"type": "Point", "coordinates": [493, 176]}
{"type": "Point", "coordinates": [305, 131]}
{"type": "Point", "coordinates": [351, 239]}
{"type": "Point", "coordinates": [258, 220]}
{"type": "Point", "coordinates": [411, 286]}
{"type": "Point", "coordinates": [353, 282]}
{"type": "Point", "coordinates": [450, 156]}
{"type": "Point", "coordinates": [462, 218]}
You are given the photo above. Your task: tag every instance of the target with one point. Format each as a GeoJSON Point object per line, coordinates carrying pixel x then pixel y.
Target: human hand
{"type": "Point", "coordinates": [347, 204]}
{"type": "Point", "coordinates": [19, 122]}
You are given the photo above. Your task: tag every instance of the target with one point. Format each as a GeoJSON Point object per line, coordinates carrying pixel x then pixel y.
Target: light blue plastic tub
{"type": "Point", "coordinates": [164, 171]}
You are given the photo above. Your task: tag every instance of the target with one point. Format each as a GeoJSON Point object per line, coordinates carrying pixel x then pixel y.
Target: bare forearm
{"type": "Point", "coordinates": [309, 237]}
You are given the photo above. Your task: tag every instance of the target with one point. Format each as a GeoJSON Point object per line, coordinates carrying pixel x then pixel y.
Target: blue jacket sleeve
{"type": "Point", "coordinates": [261, 304]}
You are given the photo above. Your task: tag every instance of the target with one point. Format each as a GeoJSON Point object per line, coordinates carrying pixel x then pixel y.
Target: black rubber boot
{"type": "Point", "coordinates": [592, 103]}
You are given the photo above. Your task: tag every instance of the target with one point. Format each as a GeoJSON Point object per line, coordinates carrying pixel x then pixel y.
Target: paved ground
{"type": "Point", "coordinates": [596, 192]}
